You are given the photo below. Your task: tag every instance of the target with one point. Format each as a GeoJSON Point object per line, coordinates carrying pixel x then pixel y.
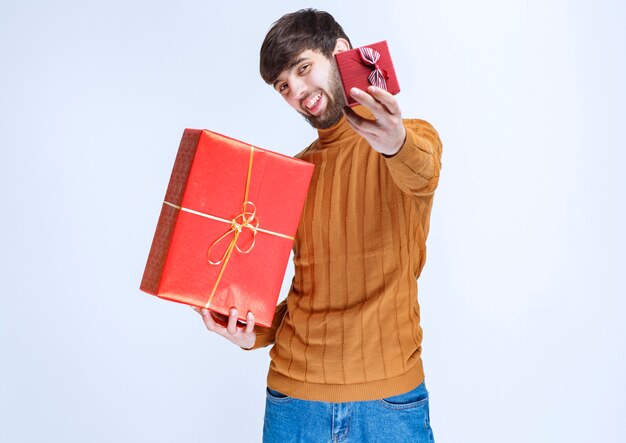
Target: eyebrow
{"type": "Point", "coordinates": [289, 67]}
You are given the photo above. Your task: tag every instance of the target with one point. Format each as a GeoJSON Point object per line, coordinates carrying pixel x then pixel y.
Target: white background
{"type": "Point", "coordinates": [522, 295]}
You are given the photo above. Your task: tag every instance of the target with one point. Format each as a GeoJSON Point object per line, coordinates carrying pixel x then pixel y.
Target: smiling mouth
{"type": "Point", "coordinates": [312, 101]}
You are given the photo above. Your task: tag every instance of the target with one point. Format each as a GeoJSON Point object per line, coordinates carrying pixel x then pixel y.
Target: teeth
{"type": "Point", "coordinates": [313, 101]}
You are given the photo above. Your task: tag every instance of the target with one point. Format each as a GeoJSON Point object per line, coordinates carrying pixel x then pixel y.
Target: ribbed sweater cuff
{"type": "Point", "coordinates": [262, 340]}
{"type": "Point", "coordinates": [411, 150]}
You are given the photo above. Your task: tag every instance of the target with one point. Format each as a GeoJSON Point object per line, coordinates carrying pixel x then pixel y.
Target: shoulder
{"type": "Point", "coordinates": [418, 124]}
{"type": "Point", "coordinates": [311, 148]}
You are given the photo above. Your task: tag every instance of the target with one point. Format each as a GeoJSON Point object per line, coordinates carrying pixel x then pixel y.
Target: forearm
{"type": "Point", "coordinates": [415, 167]}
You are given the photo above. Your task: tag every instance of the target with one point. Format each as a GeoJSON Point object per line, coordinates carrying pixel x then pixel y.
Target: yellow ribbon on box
{"type": "Point", "coordinates": [246, 220]}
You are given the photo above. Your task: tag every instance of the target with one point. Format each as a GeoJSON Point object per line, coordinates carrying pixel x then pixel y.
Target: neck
{"type": "Point", "coordinates": [341, 129]}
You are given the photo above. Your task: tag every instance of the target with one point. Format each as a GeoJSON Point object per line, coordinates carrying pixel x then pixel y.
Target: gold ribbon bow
{"type": "Point", "coordinates": [246, 220]}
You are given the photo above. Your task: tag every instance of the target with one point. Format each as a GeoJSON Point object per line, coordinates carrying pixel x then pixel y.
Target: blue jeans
{"type": "Point", "coordinates": [403, 418]}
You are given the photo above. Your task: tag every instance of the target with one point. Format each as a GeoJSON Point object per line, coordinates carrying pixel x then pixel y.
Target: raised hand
{"type": "Point", "coordinates": [386, 134]}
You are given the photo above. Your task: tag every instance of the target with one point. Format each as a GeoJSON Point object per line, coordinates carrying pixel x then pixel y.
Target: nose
{"type": "Point", "coordinates": [298, 88]}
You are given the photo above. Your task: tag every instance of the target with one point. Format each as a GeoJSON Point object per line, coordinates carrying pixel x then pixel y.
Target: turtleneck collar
{"type": "Point", "coordinates": [340, 130]}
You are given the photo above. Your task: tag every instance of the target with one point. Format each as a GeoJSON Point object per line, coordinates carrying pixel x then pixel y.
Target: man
{"type": "Point", "coordinates": [346, 361]}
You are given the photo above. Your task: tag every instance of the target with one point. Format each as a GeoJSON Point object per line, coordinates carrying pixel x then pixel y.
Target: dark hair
{"type": "Point", "coordinates": [296, 32]}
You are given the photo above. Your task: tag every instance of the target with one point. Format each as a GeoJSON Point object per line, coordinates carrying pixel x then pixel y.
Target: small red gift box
{"type": "Point", "coordinates": [365, 66]}
{"type": "Point", "coordinates": [226, 227]}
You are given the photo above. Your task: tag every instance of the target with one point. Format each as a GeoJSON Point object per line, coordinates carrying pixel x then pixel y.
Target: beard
{"type": "Point", "coordinates": [336, 103]}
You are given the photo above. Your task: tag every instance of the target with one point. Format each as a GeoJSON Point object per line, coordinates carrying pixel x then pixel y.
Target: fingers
{"type": "Point", "coordinates": [249, 323]}
{"type": "Point", "coordinates": [208, 320]}
{"type": "Point", "coordinates": [385, 98]}
{"type": "Point", "coordinates": [229, 327]}
{"type": "Point", "coordinates": [232, 322]}
{"type": "Point", "coordinates": [367, 100]}
{"type": "Point", "coordinates": [380, 102]}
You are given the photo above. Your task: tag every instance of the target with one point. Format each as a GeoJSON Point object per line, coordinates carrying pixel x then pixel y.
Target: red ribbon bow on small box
{"type": "Point", "coordinates": [370, 57]}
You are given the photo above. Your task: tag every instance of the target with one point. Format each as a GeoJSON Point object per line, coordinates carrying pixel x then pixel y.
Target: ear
{"type": "Point", "coordinates": [341, 45]}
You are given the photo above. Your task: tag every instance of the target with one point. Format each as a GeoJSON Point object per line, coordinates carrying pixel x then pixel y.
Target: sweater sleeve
{"type": "Point", "coordinates": [264, 335]}
{"type": "Point", "coordinates": [415, 167]}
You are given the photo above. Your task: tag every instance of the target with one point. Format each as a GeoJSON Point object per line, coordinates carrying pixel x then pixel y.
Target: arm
{"type": "Point", "coordinates": [415, 168]}
{"type": "Point", "coordinates": [412, 148]}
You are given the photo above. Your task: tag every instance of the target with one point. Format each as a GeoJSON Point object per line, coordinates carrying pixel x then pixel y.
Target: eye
{"type": "Point", "coordinates": [282, 87]}
{"type": "Point", "coordinates": [304, 68]}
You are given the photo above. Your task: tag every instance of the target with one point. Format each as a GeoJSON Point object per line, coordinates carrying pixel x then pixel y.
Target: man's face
{"type": "Point", "coordinates": [311, 86]}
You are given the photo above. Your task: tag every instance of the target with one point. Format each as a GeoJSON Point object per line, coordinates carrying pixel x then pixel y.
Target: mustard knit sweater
{"type": "Point", "coordinates": [349, 329]}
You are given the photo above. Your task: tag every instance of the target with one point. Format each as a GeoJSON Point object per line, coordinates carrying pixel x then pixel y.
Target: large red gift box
{"type": "Point", "coordinates": [365, 66]}
{"type": "Point", "coordinates": [227, 225]}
